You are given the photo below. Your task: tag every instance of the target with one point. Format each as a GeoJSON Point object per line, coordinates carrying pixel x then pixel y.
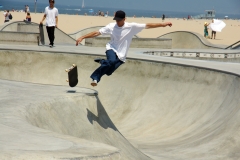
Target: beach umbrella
{"type": "Point", "coordinates": [217, 25]}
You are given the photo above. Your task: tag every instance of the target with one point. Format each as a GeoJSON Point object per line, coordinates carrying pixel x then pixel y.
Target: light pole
{"type": "Point", "coordinates": [35, 6]}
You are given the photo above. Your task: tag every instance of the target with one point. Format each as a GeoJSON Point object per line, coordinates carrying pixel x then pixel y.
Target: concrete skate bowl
{"type": "Point", "coordinates": [26, 27]}
{"type": "Point", "coordinates": [189, 40]}
{"type": "Point", "coordinates": [166, 111]}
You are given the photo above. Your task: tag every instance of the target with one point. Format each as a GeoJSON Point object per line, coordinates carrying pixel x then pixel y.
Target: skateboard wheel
{"type": "Point", "coordinates": [67, 80]}
{"type": "Point", "coordinates": [74, 65]}
{"type": "Point", "coordinates": [67, 70]}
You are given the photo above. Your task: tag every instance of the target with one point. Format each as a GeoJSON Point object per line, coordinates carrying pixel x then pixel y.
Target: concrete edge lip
{"type": "Point", "coordinates": [136, 54]}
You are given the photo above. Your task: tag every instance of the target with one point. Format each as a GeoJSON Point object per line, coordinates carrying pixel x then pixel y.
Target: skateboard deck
{"type": "Point", "coordinates": [41, 34]}
{"type": "Point", "coordinates": [72, 75]}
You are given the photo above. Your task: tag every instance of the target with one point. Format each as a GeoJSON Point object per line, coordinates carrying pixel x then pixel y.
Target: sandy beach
{"type": "Point", "coordinates": [73, 23]}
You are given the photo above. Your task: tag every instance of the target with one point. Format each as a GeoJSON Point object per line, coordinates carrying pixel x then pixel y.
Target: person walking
{"type": "Point", "coordinates": [51, 15]}
{"type": "Point", "coordinates": [116, 50]}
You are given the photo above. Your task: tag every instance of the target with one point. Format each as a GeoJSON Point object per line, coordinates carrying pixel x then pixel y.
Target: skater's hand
{"type": "Point", "coordinates": [41, 22]}
{"type": "Point", "coordinates": [169, 24]}
{"type": "Point", "coordinates": [79, 40]}
{"type": "Point", "coordinates": [56, 26]}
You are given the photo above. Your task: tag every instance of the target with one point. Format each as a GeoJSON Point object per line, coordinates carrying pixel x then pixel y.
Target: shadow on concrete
{"type": "Point", "coordinates": [102, 118]}
{"type": "Point", "coordinates": [71, 91]}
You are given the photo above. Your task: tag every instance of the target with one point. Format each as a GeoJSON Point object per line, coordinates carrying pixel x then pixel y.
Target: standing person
{"type": "Point", "coordinates": [206, 30]}
{"type": "Point", "coordinates": [116, 50]}
{"type": "Point", "coordinates": [213, 32]}
{"type": "Point", "coordinates": [6, 15]}
{"type": "Point", "coordinates": [163, 17]}
{"type": "Point", "coordinates": [51, 15]}
{"type": "Point", "coordinates": [28, 9]}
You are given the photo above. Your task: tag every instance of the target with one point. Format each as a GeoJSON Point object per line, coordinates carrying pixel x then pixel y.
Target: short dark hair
{"type": "Point", "coordinates": [28, 13]}
{"type": "Point", "coordinates": [51, 1]}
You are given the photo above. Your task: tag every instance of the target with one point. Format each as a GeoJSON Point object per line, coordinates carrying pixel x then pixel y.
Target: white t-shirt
{"type": "Point", "coordinates": [51, 13]}
{"type": "Point", "coordinates": [4, 14]}
{"type": "Point", "coordinates": [121, 37]}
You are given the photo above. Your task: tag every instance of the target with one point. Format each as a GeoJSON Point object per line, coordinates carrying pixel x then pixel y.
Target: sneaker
{"type": "Point", "coordinates": [51, 46]}
{"type": "Point", "coordinates": [98, 60]}
{"type": "Point", "coordinates": [94, 83]}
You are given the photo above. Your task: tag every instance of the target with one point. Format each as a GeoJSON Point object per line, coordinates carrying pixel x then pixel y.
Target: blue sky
{"type": "Point", "coordinates": [221, 6]}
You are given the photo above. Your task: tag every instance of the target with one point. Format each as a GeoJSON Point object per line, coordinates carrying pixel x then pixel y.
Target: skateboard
{"type": "Point", "coordinates": [41, 34]}
{"type": "Point", "coordinates": [72, 75]}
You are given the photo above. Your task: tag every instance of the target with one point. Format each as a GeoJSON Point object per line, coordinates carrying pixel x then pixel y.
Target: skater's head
{"type": "Point", "coordinates": [120, 18]}
{"type": "Point", "coordinates": [51, 3]}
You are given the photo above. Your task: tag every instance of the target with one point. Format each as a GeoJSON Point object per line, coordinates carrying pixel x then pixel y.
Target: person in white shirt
{"type": "Point", "coordinates": [28, 9]}
{"type": "Point", "coordinates": [51, 15]}
{"type": "Point", "coordinates": [116, 50]}
{"type": "Point", "coordinates": [6, 15]}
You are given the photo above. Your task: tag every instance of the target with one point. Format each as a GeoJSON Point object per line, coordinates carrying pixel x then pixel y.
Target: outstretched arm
{"type": "Point", "coordinates": [56, 21]}
{"type": "Point", "coordinates": [89, 35]}
{"type": "Point", "coordinates": [43, 18]}
{"type": "Point", "coordinates": [156, 25]}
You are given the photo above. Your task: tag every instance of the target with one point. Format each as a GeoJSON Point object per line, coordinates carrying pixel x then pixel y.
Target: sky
{"type": "Point", "coordinates": [221, 6]}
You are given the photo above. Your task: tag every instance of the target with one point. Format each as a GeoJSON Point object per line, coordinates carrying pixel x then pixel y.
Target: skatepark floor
{"type": "Point", "coordinates": [152, 107]}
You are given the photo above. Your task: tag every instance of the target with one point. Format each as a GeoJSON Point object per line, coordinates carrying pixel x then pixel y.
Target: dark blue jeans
{"type": "Point", "coordinates": [108, 66]}
{"type": "Point", "coordinates": [50, 31]}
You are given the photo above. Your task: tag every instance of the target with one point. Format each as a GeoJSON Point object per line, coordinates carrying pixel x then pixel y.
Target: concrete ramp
{"type": "Point", "coordinates": [30, 28]}
{"type": "Point", "coordinates": [166, 110]}
{"type": "Point", "coordinates": [63, 124]}
{"type": "Point", "coordinates": [84, 31]}
{"type": "Point", "coordinates": [235, 45]}
{"type": "Point", "coordinates": [189, 40]}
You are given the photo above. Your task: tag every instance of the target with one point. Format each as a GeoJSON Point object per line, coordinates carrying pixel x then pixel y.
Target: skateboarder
{"type": "Point", "coordinates": [51, 15]}
{"type": "Point", "coordinates": [116, 50]}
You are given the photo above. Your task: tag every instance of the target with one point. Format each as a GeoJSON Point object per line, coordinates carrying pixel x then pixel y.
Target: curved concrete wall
{"type": "Point", "coordinates": [7, 37]}
{"type": "Point", "coordinates": [189, 40]}
{"type": "Point", "coordinates": [136, 42]}
{"type": "Point", "coordinates": [10, 26]}
{"type": "Point", "coordinates": [159, 107]}
{"type": "Point", "coordinates": [84, 31]}
{"type": "Point", "coordinates": [19, 26]}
